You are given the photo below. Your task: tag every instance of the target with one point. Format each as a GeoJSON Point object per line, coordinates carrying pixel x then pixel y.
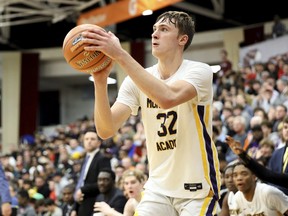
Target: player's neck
{"type": "Point", "coordinates": [168, 67]}
{"type": "Point", "coordinates": [250, 193]}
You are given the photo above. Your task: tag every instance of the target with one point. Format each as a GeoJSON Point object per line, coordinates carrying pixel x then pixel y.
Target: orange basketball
{"type": "Point", "coordinates": [77, 57]}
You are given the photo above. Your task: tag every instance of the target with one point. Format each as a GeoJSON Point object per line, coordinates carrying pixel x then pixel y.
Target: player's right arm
{"type": "Point", "coordinates": [107, 120]}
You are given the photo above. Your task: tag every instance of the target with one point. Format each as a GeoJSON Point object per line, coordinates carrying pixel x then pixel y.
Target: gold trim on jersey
{"type": "Point", "coordinates": [201, 138]}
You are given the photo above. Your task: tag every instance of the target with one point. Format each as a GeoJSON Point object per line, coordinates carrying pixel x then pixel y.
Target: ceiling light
{"type": "Point", "coordinates": [109, 81]}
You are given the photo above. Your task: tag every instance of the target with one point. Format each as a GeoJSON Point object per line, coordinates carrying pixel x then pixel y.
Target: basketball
{"type": "Point", "coordinates": [77, 57]}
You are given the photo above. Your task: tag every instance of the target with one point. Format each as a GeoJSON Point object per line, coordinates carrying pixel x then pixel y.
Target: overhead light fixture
{"type": "Point", "coordinates": [147, 12]}
{"type": "Point", "coordinates": [109, 81]}
{"type": "Point", "coordinates": [215, 68]}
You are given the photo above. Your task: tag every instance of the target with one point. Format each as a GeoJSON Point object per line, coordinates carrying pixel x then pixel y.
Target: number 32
{"type": "Point", "coordinates": [165, 129]}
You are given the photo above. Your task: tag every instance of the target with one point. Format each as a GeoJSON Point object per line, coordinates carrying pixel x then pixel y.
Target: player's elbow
{"type": "Point", "coordinates": [104, 134]}
{"type": "Point", "coordinates": [167, 103]}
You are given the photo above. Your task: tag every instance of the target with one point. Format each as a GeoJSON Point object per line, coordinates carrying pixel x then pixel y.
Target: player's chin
{"type": "Point", "coordinates": [155, 53]}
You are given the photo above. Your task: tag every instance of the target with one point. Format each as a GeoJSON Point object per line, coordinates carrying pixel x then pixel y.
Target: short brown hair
{"type": "Point", "coordinates": [182, 21]}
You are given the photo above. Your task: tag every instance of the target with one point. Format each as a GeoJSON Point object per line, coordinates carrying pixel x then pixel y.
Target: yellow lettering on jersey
{"type": "Point", "coordinates": [151, 104]}
{"type": "Point", "coordinates": [258, 214]}
{"type": "Point", "coordinates": [167, 145]}
{"type": "Point", "coordinates": [234, 211]}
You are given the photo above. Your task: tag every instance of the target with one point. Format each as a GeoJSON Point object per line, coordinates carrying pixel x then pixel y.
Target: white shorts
{"type": "Point", "coordinates": [153, 204]}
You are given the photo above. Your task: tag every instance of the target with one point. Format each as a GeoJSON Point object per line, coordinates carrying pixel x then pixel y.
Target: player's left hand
{"type": "Point", "coordinates": [103, 41]}
{"type": "Point", "coordinates": [234, 145]}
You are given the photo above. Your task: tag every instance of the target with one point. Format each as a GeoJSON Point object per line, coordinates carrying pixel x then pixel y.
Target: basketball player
{"type": "Point", "coordinates": [254, 198]}
{"type": "Point", "coordinates": [175, 96]}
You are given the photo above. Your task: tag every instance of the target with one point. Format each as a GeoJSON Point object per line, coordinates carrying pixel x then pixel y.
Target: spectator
{"type": "Point", "coordinates": [267, 128]}
{"type": "Point", "coordinates": [221, 146]}
{"type": "Point", "coordinates": [110, 196]}
{"type": "Point", "coordinates": [280, 114]}
{"type": "Point", "coordinates": [5, 197]}
{"type": "Point", "coordinates": [256, 198]}
{"type": "Point", "coordinates": [42, 186]}
{"type": "Point", "coordinates": [13, 188]}
{"type": "Point", "coordinates": [265, 98]}
{"type": "Point", "coordinates": [86, 188]}
{"type": "Point", "coordinates": [225, 64]}
{"type": "Point", "coordinates": [25, 206]}
{"type": "Point", "coordinates": [228, 196]}
{"type": "Point", "coordinates": [68, 199]}
{"type": "Point", "coordinates": [133, 187]}
{"type": "Point", "coordinates": [278, 28]}
{"type": "Point", "coordinates": [119, 170]}
{"type": "Point", "coordinates": [76, 169]}
{"type": "Point", "coordinates": [75, 147]}
{"type": "Point", "coordinates": [253, 145]}
{"type": "Point", "coordinates": [239, 128]}
{"type": "Point", "coordinates": [282, 87]}
{"type": "Point", "coordinates": [52, 208]}
{"type": "Point", "coordinates": [279, 159]}
{"type": "Point", "coordinates": [40, 207]}
{"type": "Point", "coordinates": [265, 150]}
{"type": "Point", "coordinates": [60, 181]}
{"type": "Point", "coordinates": [127, 163]}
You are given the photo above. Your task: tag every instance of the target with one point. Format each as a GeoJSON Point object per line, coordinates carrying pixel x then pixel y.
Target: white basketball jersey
{"type": "Point", "coordinates": [267, 200]}
{"type": "Point", "coordinates": [183, 160]}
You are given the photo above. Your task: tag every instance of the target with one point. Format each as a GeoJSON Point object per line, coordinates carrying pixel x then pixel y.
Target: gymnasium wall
{"type": "Point", "coordinates": [76, 96]}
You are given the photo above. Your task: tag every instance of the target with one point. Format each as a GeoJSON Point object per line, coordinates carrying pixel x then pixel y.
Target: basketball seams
{"type": "Point", "coordinates": [99, 67]}
{"type": "Point", "coordinates": [74, 54]}
{"type": "Point", "coordinates": [69, 41]}
{"type": "Point", "coordinates": [90, 65]}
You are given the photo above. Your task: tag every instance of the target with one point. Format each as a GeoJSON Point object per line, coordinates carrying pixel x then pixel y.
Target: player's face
{"type": "Point", "coordinates": [228, 179]}
{"type": "Point", "coordinates": [164, 38]}
{"type": "Point", "coordinates": [243, 178]}
{"type": "Point", "coordinates": [67, 195]}
{"type": "Point", "coordinates": [91, 141]}
{"type": "Point", "coordinates": [104, 182]}
{"type": "Point", "coordinates": [132, 186]}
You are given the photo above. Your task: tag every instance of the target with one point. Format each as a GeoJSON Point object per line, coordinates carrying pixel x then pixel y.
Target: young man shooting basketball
{"type": "Point", "coordinates": [175, 96]}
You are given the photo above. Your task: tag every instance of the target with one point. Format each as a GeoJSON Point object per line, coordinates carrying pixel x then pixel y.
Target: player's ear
{"type": "Point", "coordinates": [183, 40]}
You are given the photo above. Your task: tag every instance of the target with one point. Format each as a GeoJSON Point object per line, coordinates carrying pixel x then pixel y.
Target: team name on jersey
{"type": "Point", "coordinates": [257, 214]}
{"type": "Point", "coordinates": [237, 211]}
{"type": "Point", "coordinates": [151, 104]}
{"type": "Point", "coordinates": [167, 145]}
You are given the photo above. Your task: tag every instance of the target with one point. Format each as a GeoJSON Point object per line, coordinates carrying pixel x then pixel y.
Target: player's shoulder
{"type": "Point", "coordinates": [196, 66]}
{"type": "Point", "coordinates": [266, 188]}
{"type": "Point", "coordinates": [196, 63]}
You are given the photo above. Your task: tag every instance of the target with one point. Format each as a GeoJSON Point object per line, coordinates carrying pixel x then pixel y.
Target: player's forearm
{"type": "Point", "coordinates": [102, 112]}
{"type": "Point", "coordinates": [154, 88]}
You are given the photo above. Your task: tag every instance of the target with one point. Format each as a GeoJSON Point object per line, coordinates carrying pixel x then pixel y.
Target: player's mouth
{"type": "Point", "coordinates": [155, 44]}
{"type": "Point", "coordinates": [131, 193]}
{"type": "Point", "coordinates": [240, 185]}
